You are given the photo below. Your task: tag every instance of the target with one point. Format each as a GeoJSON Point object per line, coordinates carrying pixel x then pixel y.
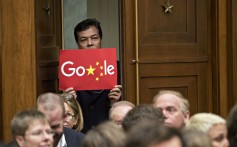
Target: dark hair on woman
{"type": "Point", "coordinates": [85, 24]}
{"type": "Point", "coordinates": [232, 127]}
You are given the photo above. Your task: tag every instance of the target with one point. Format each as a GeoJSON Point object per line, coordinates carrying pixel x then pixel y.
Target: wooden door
{"type": "Point", "coordinates": [170, 50]}
{"type": "Point", "coordinates": [48, 35]}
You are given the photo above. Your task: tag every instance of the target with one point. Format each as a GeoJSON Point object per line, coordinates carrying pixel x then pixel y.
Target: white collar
{"type": "Point", "coordinates": [62, 142]}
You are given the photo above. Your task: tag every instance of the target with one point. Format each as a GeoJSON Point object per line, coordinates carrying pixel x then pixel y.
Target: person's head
{"type": "Point", "coordinates": [30, 128]}
{"type": "Point", "coordinates": [88, 34]}
{"type": "Point", "coordinates": [174, 107]}
{"type": "Point", "coordinates": [73, 114]}
{"type": "Point", "coordinates": [119, 110]}
{"type": "Point", "coordinates": [195, 138]}
{"type": "Point", "coordinates": [232, 127]}
{"type": "Point", "coordinates": [107, 134]}
{"type": "Point", "coordinates": [52, 106]}
{"type": "Point", "coordinates": [213, 125]}
{"type": "Point", "coordinates": [140, 113]}
{"type": "Point", "coordinates": [151, 134]}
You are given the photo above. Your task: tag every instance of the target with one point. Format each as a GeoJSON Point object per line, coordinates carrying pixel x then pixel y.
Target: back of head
{"type": "Point", "coordinates": [106, 134]}
{"type": "Point", "coordinates": [195, 138]}
{"type": "Point", "coordinates": [149, 133]}
{"type": "Point", "coordinates": [204, 121]}
{"type": "Point", "coordinates": [48, 102]}
{"type": "Point", "coordinates": [85, 24]}
{"type": "Point", "coordinates": [118, 104]}
{"type": "Point", "coordinates": [142, 112]}
{"type": "Point", "coordinates": [22, 120]}
{"type": "Point", "coordinates": [232, 127]}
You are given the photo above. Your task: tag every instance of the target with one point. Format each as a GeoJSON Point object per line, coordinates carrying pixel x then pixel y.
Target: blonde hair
{"type": "Point", "coordinates": [204, 121]}
{"type": "Point", "coordinates": [195, 138]}
{"type": "Point", "coordinates": [76, 108]}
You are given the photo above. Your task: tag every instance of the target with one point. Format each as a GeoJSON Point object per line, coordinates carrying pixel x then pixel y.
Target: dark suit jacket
{"type": "Point", "coordinates": [95, 105]}
{"type": "Point", "coordinates": [73, 138]}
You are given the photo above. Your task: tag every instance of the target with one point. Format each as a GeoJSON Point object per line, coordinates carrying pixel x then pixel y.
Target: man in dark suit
{"type": "Point", "coordinates": [52, 106]}
{"type": "Point", "coordinates": [95, 104]}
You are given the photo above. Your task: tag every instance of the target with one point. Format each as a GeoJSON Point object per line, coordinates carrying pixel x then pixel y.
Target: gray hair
{"type": "Point", "coordinates": [50, 101]}
{"type": "Point", "coordinates": [183, 101]}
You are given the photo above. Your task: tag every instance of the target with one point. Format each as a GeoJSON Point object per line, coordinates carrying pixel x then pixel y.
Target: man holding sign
{"type": "Point", "coordinates": [95, 103]}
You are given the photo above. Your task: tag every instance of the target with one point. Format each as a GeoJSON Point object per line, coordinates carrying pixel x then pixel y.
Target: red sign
{"type": "Point", "coordinates": [88, 69]}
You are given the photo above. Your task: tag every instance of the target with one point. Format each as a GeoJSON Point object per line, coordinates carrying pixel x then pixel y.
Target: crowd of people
{"type": "Point", "coordinates": [100, 118]}
{"type": "Point", "coordinates": [165, 123]}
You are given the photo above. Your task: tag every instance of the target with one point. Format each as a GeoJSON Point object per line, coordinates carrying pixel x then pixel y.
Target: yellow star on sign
{"type": "Point", "coordinates": [101, 67]}
{"type": "Point", "coordinates": [101, 74]}
{"type": "Point", "coordinates": [90, 70]}
{"type": "Point", "coordinates": [97, 79]}
{"type": "Point", "coordinates": [97, 63]}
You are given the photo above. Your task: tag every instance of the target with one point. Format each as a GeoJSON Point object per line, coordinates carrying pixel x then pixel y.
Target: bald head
{"type": "Point", "coordinates": [50, 102]}
{"type": "Point", "coordinates": [52, 106]}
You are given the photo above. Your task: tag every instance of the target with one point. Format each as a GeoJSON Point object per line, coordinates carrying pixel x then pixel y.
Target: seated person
{"type": "Point", "coordinates": [195, 138]}
{"type": "Point", "coordinates": [73, 114]}
{"type": "Point", "coordinates": [107, 134]}
{"type": "Point", "coordinates": [119, 110]}
{"type": "Point", "coordinates": [213, 125]}
{"type": "Point", "coordinates": [174, 106]}
{"type": "Point", "coordinates": [30, 128]}
{"type": "Point", "coordinates": [52, 106]}
{"type": "Point", "coordinates": [151, 134]}
{"type": "Point", "coordinates": [232, 129]}
{"type": "Point", "coordinates": [140, 113]}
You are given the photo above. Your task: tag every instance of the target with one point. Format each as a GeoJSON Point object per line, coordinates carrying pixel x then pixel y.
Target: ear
{"type": "Point", "coordinates": [20, 140]}
{"type": "Point", "coordinates": [76, 120]}
{"type": "Point", "coordinates": [187, 115]}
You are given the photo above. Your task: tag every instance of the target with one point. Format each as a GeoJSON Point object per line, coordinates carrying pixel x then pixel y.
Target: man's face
{"type": "Point", "coordinates": [170, 105]}
{"type": "Point", "coordinates": [89, 39]}
{"type": "Point", "coordinates": [55, 118]}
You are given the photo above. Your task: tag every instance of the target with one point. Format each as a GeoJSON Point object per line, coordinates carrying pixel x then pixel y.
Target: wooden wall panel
{"type": "Point", "coordinates": [48, 44]}
{"type": "Point", "coordinates": [17, 51]}
{"type": "Point", "coordinates": [173, 48]}
{"type": "Point", "coordinates": [232, 52]}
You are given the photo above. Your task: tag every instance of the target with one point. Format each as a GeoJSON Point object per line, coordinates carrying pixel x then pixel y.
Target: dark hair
{"type": "Point", "coordinates": [232, 127]}
{"type": "Point", "coordinates": [150, 133]}
{"type": "Point", "coordinates": [142, 112]}
{"type": "Point", "coordinates": [107, 134]}
{"type": "Point", "coordinates": [85, 24]}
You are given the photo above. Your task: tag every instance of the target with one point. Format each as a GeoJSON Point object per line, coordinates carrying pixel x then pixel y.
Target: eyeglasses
{"type": "Point", "coordinates": [68, 116]}
{"type": "Point", "coordinates": [41, 133]}
{"type": "Point", "coordinates": [67, 96]}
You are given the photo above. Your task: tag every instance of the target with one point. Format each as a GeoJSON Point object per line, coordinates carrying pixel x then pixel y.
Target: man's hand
{"type": "Point", "coordinates": [71, 91]}
{"type": "Point", "coordinates": [115, 94]}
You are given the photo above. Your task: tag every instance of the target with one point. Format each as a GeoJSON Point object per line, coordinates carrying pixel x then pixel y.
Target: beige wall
{"type": "Point", "coordinates": [105, 11]}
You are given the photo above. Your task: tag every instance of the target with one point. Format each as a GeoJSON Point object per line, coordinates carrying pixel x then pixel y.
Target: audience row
{"type": "Point", "coordinates": [57, 121]}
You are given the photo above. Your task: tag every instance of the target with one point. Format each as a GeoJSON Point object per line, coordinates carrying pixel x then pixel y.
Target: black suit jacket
{"type": "Point", "coordinates": [95, 105]}
{"type": "Point", "coordinates": [73, 138]}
